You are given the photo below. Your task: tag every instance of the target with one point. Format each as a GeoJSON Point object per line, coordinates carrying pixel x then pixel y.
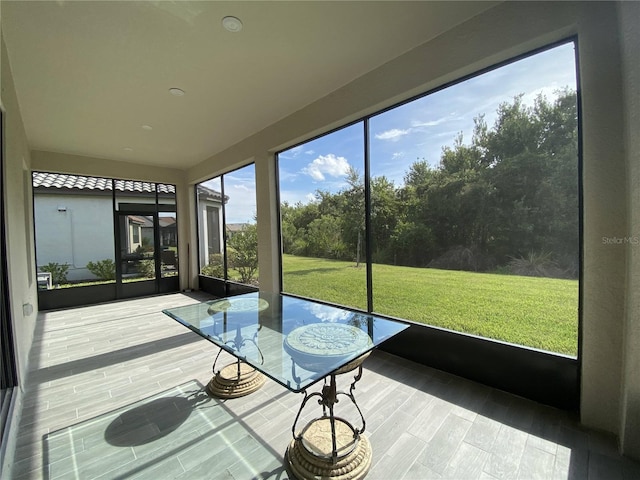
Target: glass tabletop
{"type": "Point", "coordinates": [294, 341]}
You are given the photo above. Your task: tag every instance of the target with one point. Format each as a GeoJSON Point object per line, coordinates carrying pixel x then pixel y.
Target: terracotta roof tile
{"type": "Point", "coordinates": [77, 182]}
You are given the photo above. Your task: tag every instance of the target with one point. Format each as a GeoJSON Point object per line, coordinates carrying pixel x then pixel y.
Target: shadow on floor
{"type": "Point", "coordinates": [179, 433]}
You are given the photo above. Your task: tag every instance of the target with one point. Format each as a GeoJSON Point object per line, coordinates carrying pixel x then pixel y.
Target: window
{"type": "Point", "coordinates": [75, 233]}
{"type": "Point", "coordinates": [323, 218]}
{"type": "Point", "coordinates": [135, 233]}
{"type": "Point", "coordinates": [472, 207]}
{"type": "Point", "coordinates": [227, 231]}
{"type": "Point", "coordinates": [74, 229]}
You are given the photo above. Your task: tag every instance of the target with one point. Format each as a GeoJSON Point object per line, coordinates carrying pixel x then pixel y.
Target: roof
{"type": "Point", "coordinates": [145, 221]}
{"type": "Point", "coordinates": [77, 182]}
{"type": "Point", "coordinates": [208, 192]}
{"type": "Point", "coordinates": [236, 227]}
{"type": "Point", "coordinates": [166, 221]}
{"type": "Point", "coordinates": [60, 181]}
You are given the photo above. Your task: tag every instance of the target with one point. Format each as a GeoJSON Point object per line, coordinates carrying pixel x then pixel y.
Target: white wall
{"type": "Point", "coordinates": [20, 259]}
{"type": "Point", "coordinates": [75, 230]}
{"type": "Point", "coordinates": [629, 18]}
{"type": "Point", "coordinates": [17, 186]}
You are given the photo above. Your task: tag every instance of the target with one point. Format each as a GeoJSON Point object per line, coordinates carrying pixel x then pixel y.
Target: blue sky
{"type": "Point", "coordinates": [415, 131]}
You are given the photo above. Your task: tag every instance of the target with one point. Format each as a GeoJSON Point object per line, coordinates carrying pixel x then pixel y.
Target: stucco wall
{"type": "Point", "coordinates": [75, 230]}
{"type": "Point", "coordinates": [604, 216]}
{"type": "Point", "coordinates": [18, 211]}
{"type": "Point", "coordinates": [629, 18]}
{"type": "Point", "coordinates": [18, 208]}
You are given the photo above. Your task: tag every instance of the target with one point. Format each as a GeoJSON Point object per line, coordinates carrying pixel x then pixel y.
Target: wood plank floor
{"type": "Point", "coordinates": [115, 391]}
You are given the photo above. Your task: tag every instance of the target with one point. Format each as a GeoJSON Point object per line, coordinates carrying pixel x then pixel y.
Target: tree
{"type": "Point", "coordinates": [242, 253]}
{"type": "Point", "coordinates": [385, 212]}
{"type": "Point", "coordinates": [510, 191]}
{"type": "Point", "coordinates": [353, 215]}
{"type": "Point", "coordinates": [324, 238]}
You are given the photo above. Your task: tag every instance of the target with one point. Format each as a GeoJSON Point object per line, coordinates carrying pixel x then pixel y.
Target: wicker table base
{"type": "Point", "coordinates": [235, 380]}
{"type": "Point", "coordinates": [309, 457]}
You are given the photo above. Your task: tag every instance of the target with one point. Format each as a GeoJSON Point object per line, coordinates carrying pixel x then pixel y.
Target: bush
{"type": "Point", "coordinates": [58, 272]}
{"type": "Point", "coordinates": [215, 267]}
{"type": "Point", "coordinates": [103, 269]}
{"type": "Point", "coordinates": [469, 259]}
{"type": "Point", "coordinates": [242, 250]}
{"type": "Point", "coordinates": [536, 265]}
{"type": "Point", "coordinates": [147, 268]}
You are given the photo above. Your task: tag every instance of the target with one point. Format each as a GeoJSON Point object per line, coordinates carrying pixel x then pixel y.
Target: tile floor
{"type": "Point", "coordinates": [115, 391]}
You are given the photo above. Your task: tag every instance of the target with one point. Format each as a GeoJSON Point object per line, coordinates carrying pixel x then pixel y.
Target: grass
{"type": "Point", "coordinates": [531, 311]}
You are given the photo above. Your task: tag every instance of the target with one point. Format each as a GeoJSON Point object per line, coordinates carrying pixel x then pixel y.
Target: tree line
{"type": "Point", "coordinates": [506, 201]}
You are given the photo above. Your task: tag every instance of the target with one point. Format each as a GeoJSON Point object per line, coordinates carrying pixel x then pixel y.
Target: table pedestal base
{"type": "Point", "coordinates": [310, 456]}
{"type": "Point", "coordinates": [235, 380]}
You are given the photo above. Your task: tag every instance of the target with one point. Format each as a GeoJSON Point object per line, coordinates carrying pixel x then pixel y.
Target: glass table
{"type": "Point", "coordinates": [297, 343]}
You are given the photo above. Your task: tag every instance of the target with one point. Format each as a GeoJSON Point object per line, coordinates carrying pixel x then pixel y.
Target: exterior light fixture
{"type": "Point", "coordinates": [232, 24]}
{"type": "Point", "coordinates": [176, 92]}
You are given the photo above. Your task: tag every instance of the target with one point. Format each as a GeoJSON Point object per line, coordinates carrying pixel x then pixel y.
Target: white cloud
{"type": "Point", "coordinates": [397, 155]}
{"type": "Point", "coordinates": [309, 152]}
{"type": "Point", "coordinates": [333, 316]}
{"type": "Point", "coordinates": [292, 152]}
{"type": "Point", "coordinates": [286, 176]}
{"type": "Point", "coordinates": [394, 134]}
{"type": "Point", "coordinates": [431, 123]}
{"type": "Point", "coordinates": [327, 164]}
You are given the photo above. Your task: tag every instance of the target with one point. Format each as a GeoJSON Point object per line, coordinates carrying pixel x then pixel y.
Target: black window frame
{"type": "Point", "coordinates": [222, 287]}
{"type": "Point", "coordinates": [562, 387]}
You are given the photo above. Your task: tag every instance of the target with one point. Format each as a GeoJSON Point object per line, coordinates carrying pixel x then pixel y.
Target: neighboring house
{"type": "Point", "coordinates": [135, 226]}
{"type": "Point", "coordinates": [235, 228]}
{"type": "Point", "coordinates": [74, 219]}
{"type": "Point", "coordinates": [210, 223]}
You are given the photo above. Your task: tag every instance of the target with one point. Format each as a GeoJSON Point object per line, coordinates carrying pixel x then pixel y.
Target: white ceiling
{"type": "Point", "coordinates": [89, 74]}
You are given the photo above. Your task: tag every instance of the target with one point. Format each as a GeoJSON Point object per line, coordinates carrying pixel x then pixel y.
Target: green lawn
{"type": "Point", "coordinates": [536, 312]}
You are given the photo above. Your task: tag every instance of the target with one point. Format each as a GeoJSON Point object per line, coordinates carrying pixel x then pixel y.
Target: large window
{"type": "Point", "coordinates": [79, 244]}
{"type": "Point", "coordinates": [74, 230]}
{"type": "Point", "coordinates": [227, 231]}
{"type": "Point", "coordinates": [323, 218]}
{"type": "Point", "coordinates": [472, 207]}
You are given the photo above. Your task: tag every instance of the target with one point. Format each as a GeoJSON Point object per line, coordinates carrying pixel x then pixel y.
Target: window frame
{"type": "Point", "coordinates": [215, 285]}
{"type": "Point", "coordinates": [367, 178]}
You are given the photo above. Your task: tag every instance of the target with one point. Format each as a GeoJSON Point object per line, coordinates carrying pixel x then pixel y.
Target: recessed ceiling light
{"type": "Point", "coordinates": [178, 92]}
{"type": "Point", "coordinates": [147, 127]}
{"type": "Point", "coordinates": [233, 24]}
{"type": "Point", "coordinates": [128, 149]}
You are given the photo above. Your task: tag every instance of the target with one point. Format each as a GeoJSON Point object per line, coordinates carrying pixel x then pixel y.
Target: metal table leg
{"type": "Point", "coordinates": [329, 446]}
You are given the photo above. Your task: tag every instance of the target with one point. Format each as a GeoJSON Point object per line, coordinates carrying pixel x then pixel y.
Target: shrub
{"type": "Point", "coordinates": [147, 268]}
{"type": "Point", "coordinates": [103, 269]}
{"type": "Point", "coordinates": [242, 250]}
{"type": "Point", "coordinates": [215, 267]}
{"type": "Point", "coordinates": [469, 259]}
{"type": "Point", "coordinates": [58, 272]}
{"type": "Point", "coordinates": [536, 265]}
